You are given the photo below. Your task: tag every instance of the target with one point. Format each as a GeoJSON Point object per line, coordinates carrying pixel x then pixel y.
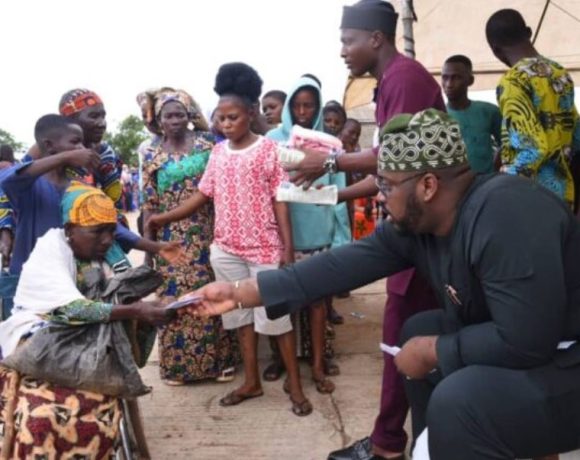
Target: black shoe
{"type": "Point", "coordinates": [360, 450]}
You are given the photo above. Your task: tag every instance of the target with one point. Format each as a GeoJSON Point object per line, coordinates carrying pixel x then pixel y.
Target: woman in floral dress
{"type": "Point", "coordinates": [190, 349]}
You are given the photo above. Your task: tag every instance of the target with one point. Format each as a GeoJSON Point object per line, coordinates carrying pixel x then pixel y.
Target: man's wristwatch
{"type": "Point", "coordinates": [330, 165]}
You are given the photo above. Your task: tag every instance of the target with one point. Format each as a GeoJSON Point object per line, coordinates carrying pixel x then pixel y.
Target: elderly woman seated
{"type": "Point", "coordinates": [39, 418]}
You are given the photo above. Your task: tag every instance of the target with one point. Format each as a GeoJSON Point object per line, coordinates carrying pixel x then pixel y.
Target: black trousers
{"type": "Point", "coordinates": [485, 412]}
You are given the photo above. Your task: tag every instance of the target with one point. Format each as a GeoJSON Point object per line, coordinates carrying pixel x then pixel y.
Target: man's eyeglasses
{"type": "Point", "coordinates": [386, 187]}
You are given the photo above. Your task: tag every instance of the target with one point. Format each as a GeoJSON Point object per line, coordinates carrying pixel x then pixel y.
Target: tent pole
{"type": "Point", "coordinates": [541, 21]}
{"type": "Point", "coordinates": [407, 18]}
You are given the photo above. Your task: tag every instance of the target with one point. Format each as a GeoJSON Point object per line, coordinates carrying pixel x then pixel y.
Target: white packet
{"type": "Point", "coordinates": [289, 155]}
{"type": "Point", "coordinates": [391, 350]}
{"type": "Point", "coordinates": [327, 195]}
{"type": "Point", "coordinates": [184, 302]}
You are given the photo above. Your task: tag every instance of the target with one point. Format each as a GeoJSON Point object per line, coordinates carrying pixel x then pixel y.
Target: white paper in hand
{"type": "Point", "coordinates": [394, 351]}
{"type": "Point", "coordinates": [391, 350]}
{"type": "Point", "coordinates": [290, 156]}
{"type": "Point", "coordinates": [327, 195]}
{"type": "Point", "coordinates": [184, 302]}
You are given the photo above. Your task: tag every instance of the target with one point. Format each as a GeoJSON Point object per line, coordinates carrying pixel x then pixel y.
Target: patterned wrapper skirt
{"type": "Point", "coordinates": [193, 349]}
{"type": "Point", "coordinates": [301, 321]}
{"type": "Point", "coordinates": [42, 421]}
{"type": "Point", "coordinates": [363, 226]}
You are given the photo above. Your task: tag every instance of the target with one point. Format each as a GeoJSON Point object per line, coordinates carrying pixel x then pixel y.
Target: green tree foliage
{"type": "Point", "coordinates": [7, 138]}
{"type": "Point", "coordinates": [126, 139]}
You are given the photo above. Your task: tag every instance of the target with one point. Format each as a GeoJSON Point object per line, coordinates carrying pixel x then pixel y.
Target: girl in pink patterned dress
{"type": "Point", "coordinates": [252, 230]}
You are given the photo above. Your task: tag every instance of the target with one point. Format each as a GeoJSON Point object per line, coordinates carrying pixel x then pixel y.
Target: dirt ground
{"type": "Point", "coordinates": [188, 423]}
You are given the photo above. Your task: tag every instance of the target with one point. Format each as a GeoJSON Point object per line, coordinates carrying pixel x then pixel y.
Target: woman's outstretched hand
{"type": "Point", "coordinates": [154, 313]}
{"type": "Point", "coordinates": [153, 223]}
{"type": "Point", "coordinates": [173, 252]}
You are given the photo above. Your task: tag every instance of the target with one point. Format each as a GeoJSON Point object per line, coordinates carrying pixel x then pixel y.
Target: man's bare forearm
{"type": "Point", "coordinates": [363, 162]}
{"type": "Point", "coordinates": [361, 189]}
{"type": "Point", "coordinates": [247, 293]}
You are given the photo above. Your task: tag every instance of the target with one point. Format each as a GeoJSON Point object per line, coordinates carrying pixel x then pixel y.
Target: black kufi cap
{"type": "Point", "coordinates": [370, 15]}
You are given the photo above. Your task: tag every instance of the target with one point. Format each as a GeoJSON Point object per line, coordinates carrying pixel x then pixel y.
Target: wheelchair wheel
{"type": "Point", "coordinates": [129, 448]}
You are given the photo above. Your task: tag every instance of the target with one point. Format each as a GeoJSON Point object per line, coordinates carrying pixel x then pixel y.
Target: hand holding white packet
{"type": "Point", "coordinates": [391, 350]}
{"type": "Point", "coordinates": [327, 195]}
{"type": "Point", "coordinates": [394, 351]}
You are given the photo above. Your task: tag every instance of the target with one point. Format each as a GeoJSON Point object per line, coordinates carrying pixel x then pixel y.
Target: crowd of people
{"type": "Point", "coordinates": [466, 207]}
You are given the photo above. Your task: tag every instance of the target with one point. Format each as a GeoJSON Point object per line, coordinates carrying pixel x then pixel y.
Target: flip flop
{"type": "Point", "coordinates": [301, 409]}
{"type": "Point", "coordinates": [324, 385]}
{"type": "Point", "coordinates": [331, 369]}
{"type": "Point", "coordinates": [227, 375]}
{"type": "Point", "coordinates": [329, 332]}
{"type": "Point", "coordinates": [174, 383]}
{"type": "Point", "coordinates": [273, 372]}
{"type": "Point", "coordinates": [334, 317]}
{"type": "Point", "coordinates": [233, 398]}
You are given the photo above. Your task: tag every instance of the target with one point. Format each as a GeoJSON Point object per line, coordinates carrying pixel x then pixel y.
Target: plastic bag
{"type": "Point", "coordinates": [94, 357]}
{"type": "Point", "coordinates": [97, 357]}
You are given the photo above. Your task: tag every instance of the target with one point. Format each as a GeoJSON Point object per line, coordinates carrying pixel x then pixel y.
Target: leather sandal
{"type": "Point", "coordinates": [298, 408]}
{"type": "Point", "coordinates": [286, 387]}
{"type": "Point", "coordinates": [324, 385]}
{"type": "Point", "coordinates": [227, 375]}
{"type": "Point", "coordinates": [330, 368]}
{"type": "Point", "coordinates": [273, 372]}
{"type": "Point", "coordinates": [334, 317]}
{"type": "Point", "coordinates": [233, 398]}
{"type": "Point", "coordinates": [173, 383]}
{"type": "Point", "coordinates": [301, 409]}
{"type": "Point", "coordinates": [329, 332]}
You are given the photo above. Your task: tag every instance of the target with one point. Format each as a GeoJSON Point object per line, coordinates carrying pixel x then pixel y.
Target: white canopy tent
{"type": "Point", "coordinates": [448, 27]}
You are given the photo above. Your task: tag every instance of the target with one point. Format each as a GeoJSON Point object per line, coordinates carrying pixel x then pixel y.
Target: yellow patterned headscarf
{"type": "Point", "coordinates": [87, 206]}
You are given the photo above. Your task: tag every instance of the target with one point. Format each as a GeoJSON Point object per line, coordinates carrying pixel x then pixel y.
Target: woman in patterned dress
{"type": "Point", "coordinates": [190, 349]}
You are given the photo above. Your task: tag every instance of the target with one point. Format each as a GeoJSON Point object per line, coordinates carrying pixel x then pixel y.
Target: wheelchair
{"type": "Point", "coordinates": [131, 443]}
{"type": "Point", "coordinates": [8, 284]}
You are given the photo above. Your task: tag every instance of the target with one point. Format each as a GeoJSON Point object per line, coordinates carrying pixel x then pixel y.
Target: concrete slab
{"type": "Point", "coordinates": [188, 423]}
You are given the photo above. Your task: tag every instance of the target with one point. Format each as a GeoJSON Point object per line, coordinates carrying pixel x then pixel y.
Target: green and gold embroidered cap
{"type": "Point", "coordinates": [421, 142]}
